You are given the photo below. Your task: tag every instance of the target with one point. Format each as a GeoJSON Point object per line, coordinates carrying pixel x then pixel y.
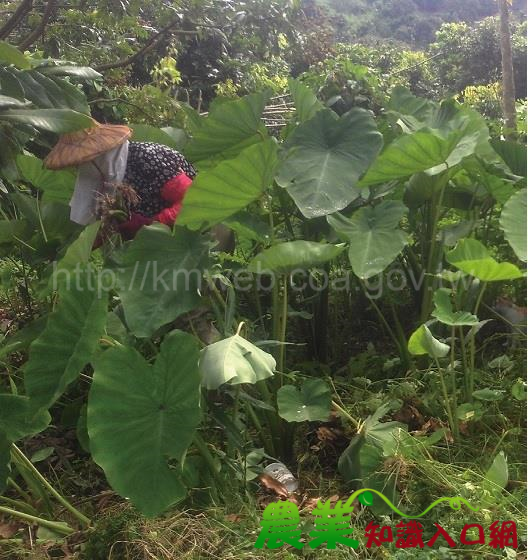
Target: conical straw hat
{"type": "Point", "coordinates": [84, 145]}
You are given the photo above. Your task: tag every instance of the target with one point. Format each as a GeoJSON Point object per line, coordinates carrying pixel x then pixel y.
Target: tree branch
{"type": "Point", "coordinates": [151, 43]}
{"type": "Point", "coordinates": [39, 30]}
{"type": "Point", "coordinates": [20, 13]}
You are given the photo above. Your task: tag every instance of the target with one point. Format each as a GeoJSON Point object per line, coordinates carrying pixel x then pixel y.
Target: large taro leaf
{"type": "Point", "coordinates": [409, 108]}
{"type": "Point", "coordinates": [56, 185]}
{"type": "Point", "coordinates": [59, 121]}
{"type": "Point", "coordinates": [291, 255]}
{"type": "Point", "coordinates": [374, 236]}
{"type": "Point", "coordinates": [158, 275]}
{"type": "Point", "coordinates": [443, 311]}
{"type": "Point", "coordinates": [18, 419]}
{"type": "Point", "coordinates": [228, 129]}
{"type": "Point", "coordinates": [140, 416]}
{"type": "Point", "coordinates": [513, 223]}
{"type": "Point", "coordinates": [312, 403]}
{"type": "Point", "coordinates": [472, 257]}
{"type": "Point", "coordinates": [448, 136]}
{"type": "Point", "coordinates": [223, 190]}
{"type": "Point", "coordinates": [304, 99]}
{"type": "Point", "coordinates": [234, 360]}
{"type": "Point", "coordinates": [325, 157]}
{"type": "Point", "coordinates": [407, 155]}
{"type": "Point", "coordinates": [67, 343]}
{"type": "Point", "coordinates": [513, 154]}
{"type": "Point", "coordinates": [422, 342]}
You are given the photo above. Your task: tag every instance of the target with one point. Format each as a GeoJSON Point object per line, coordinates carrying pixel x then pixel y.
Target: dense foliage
{"type": "Point", "coordinates": [376, 226]}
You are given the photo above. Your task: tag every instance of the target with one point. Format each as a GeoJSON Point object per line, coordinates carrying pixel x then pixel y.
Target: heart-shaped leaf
{"type": "Point", "coordinates": [142, 415]}
{"type": "Point", "coordinates": [311, 403]}
{"type": "Point", "coordinates": [67, 343]}
{"type": "Point", "coordinates": [374, 236]}
{"type": "Point", "coordinates": [228, 129]}
{"type": "Point", "coordinates": [325, 157]}
{"type": "Point", "coordinates": [284, 258]}
{"type": "Point", "coordinates": [221, 191]}
{"type": "Point", "coordinates": [444, 311]}
{"type": "Point", "coordinates": [158, 276]}
{"type": "Point", "coordinates": [234, 360]}
{"type": "Point", "coordinates": [513, 223]}
{"type": "Point", "coordinates": [471, 257]}
{"type": "Point", "coordinates": [423, 342]}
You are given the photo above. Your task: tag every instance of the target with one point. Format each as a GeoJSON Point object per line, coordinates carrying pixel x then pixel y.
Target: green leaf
{"type": "Point", "coordinates": [473, 258]}
{"type": "Point", "coordinates": [444, 311]}
{"type": "Point", "coordinates": [423, 342]}
{"type": "Point", "coordinates": [221, 191]}
{"type": "Point", "coordinates": [234, 360]}
{"type": "Point", "coordinates": [403, 102]}
{"type": "Point", "coordinates": [513, 223]}
{"type": "Point", "coordinates": [77, 254]}
{"type": "Point", "coordinates": [469, 412]}
{"type": "Point", "coordinates": [284, 258]}
{"type": "Point", "coordinates": [59, 121]}
{"type": "Point", "coordinates": [148, 133]}
{"type": "Point", "coordinates": [325, 158]}
{"type": "Point", "coordinates": [250, 226]}
{"type": "Point", "coordinates": [312, 403]}
{"type": "Point", "coordinates": [349, 465]}
{"type": "Point", "coordinates": [513, 154]}
{"type": "Point", "coordinates": [382, 434]}
{"type": "Point", "coordinates": [374, 236]}
{"type": "Point", "coordinates": [304, 99]}
{"type": "Point", "coordinates": [18, 419]}
{"type": "Point", "coordinates": [488, 395]}
{"type": "Point", "coordinates": [142, 415]}
{"type": "Point", "coordinates": [407, 155]}
{"type": "Point", "coordinates": [10, 85]}
{"type": "Point", "coordinates": [158, 275]}
{"type": "Point", "coordinates": [56, 185]}
{"type": "Point", "coordinates": [42, 454]}
{"type": "Point", "coordinates": [59, 354]}
{"type": "Point", "coordinates": [11, 55]}
{"type": "Point", "coordinates": [518, 390]}
{"type": "Point", "coordinates": [450, 135]}
{"type": "Point", "coordinates": [84, 72]}
{"type": "Point", "coordinates": [5, 460]}
{"type": "Point", "coordinates": [229, 128]}
{"type": "Point", "coordinates": [497, 476]}
{"type": "Point", "coordinates": [10, 102]}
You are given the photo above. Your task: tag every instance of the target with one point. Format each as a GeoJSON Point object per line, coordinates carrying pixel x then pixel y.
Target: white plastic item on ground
{"type": "Point", "coordinates": [280, 472]}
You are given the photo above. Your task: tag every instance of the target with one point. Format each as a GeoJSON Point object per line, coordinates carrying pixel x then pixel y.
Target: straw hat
{"type": "Point", "coordinates": [84, 145]}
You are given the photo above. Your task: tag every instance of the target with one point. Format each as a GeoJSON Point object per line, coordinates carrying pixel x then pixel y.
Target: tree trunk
{"type": "Point", "coordinates": [508, 85]}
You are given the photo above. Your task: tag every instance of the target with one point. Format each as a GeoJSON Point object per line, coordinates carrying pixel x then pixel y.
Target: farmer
{"type": "Point", "coordinates": [150, 179]}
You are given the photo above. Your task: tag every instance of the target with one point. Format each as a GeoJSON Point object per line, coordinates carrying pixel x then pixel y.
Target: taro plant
{"type": "Point", "coordinates": [118, 327]}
